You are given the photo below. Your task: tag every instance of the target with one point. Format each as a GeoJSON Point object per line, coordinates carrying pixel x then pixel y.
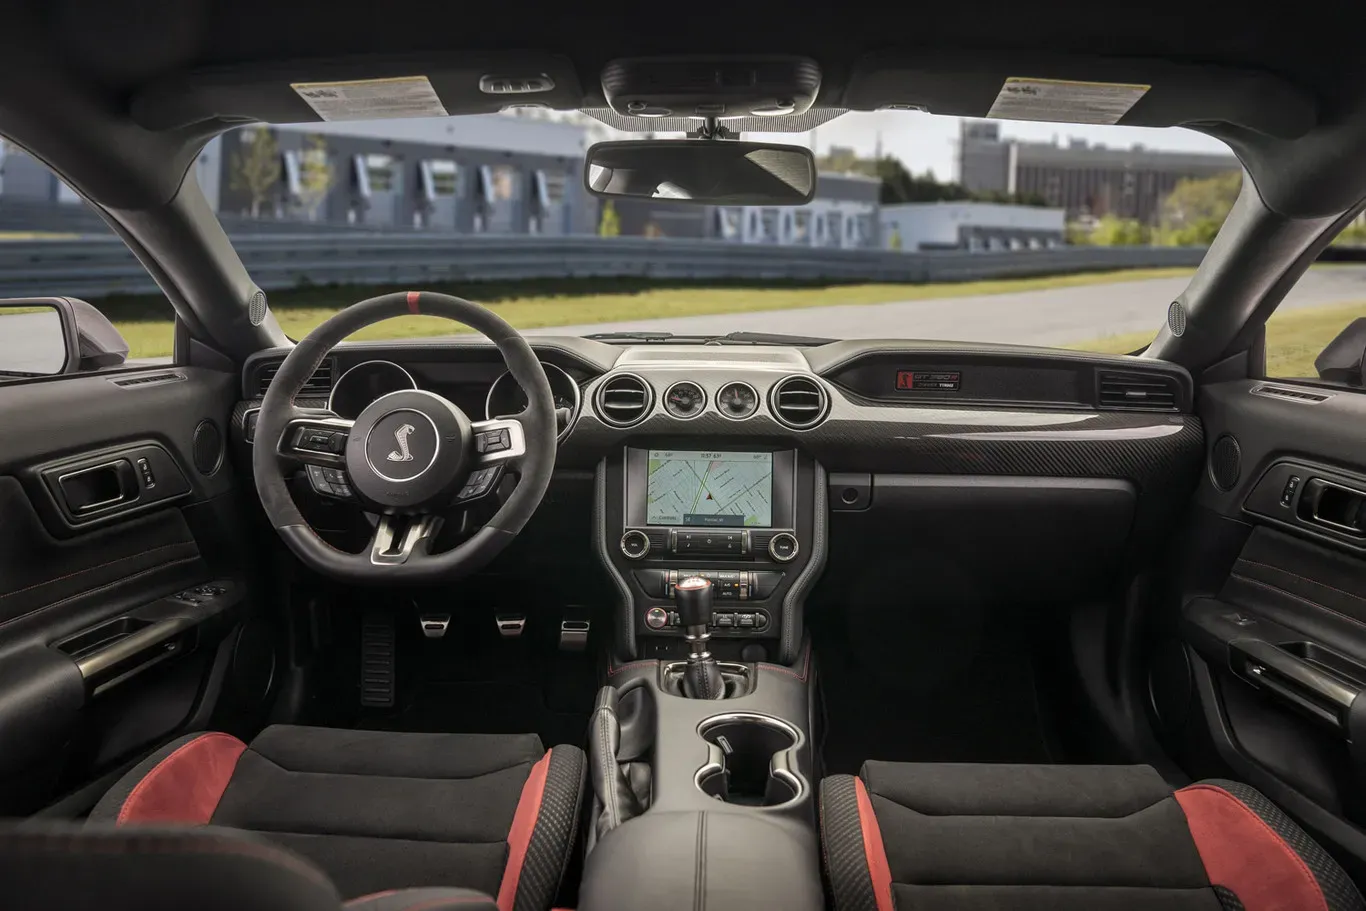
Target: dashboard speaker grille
{"type": "Point", "coordinates": [624, 399]}
{"type": "Point", "coordinates": [207, 451]}
{"type": "Point", "coordinates": [800, 402]}
{"type": "Point", "coordinates": [1225, 462]}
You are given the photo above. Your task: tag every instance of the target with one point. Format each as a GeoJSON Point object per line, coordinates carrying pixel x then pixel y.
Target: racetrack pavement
{"type": "Point", "coordinates": [1057, 317]}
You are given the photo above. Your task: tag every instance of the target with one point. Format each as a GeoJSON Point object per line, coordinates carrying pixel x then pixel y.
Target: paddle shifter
{"type": "Point", "coordinates": [702, 679]}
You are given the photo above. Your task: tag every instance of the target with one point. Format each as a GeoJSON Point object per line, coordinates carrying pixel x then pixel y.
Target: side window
{"type": "Point", "coordinates": [1318, 332]}
{"type": "Point", "coordinates": [120, 317]}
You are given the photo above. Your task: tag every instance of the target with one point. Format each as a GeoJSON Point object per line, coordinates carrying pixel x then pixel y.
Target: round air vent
{"type": "Point", "coordinates": [799, 402]}
{"type": "Point", "coordinates": [1225, 462]}
{"type": "Point", "coordinates": [207, 451]}
{"type": "Point", "coordinates": [624, 399]}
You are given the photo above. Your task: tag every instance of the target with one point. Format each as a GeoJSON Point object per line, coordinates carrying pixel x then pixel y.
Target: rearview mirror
{"type": "Point", "coordinates": [704, 171]}
{"type": "Point", "coordinates": [45, 336]}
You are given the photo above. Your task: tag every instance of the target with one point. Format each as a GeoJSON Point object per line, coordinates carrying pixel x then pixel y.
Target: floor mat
{"type": "Point", "coordinates": [485, 707]}
{"type": "Point", "coordinates": [966, 695]}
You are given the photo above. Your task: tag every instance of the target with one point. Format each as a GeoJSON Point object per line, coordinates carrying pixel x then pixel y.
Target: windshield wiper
{"type": "Point", "coordinates": [730, 338]}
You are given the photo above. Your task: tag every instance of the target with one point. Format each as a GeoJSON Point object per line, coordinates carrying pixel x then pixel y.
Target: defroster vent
{"type": "Point", "coordinates": [1138, 391]}
{"type": "Point", "coordinates": [624, 399]}
{"type": "Point", "coordinates": [799, 402]}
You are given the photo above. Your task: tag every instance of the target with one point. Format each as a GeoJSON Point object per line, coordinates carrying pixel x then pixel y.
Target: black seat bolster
{"type": "Point", "coordinates": [99, 868]}
{"type": "Point", "coordinates": [424, 900]}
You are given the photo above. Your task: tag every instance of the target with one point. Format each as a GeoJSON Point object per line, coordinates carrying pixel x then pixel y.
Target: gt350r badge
{"type": "Point", "coordinates": [401, 437]}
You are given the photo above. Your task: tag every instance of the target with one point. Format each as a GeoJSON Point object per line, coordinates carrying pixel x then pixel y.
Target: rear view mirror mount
{"type": "Point", "coordinates": [702, 171]}
{"type": "Point", "coordinates": [48, 336]}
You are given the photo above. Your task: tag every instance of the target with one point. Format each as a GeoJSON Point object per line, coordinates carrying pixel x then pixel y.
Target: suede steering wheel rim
{"type": "Point", "coordinates": [410, 455]}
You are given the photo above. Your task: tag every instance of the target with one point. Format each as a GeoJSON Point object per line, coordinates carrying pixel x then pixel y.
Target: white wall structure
{"type": "Point", "coordinates": [501, 132]}
{"type": "Point", "coordinates": [843, 215]}
{"type": "Point", "coordinates": [974, 226]}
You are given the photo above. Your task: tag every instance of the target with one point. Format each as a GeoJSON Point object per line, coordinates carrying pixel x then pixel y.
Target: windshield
{"type": "Point", "coordinates": [922, 226]}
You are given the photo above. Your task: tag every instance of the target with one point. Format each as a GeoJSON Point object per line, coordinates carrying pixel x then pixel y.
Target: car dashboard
{"type": "Point", "coordinates": [1037, 471]}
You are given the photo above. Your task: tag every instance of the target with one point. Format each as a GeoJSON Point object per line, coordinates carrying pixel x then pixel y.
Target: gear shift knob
{"type": "Point", "coordinates": [693, 597]}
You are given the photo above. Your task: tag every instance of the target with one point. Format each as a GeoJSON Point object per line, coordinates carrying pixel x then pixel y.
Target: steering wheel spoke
{"type": "Point", "coordinates": [316, 440]}
{"type": "Point", "coordinates": [401, 539]}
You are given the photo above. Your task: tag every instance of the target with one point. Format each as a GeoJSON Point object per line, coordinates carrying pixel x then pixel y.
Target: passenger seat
{"type": "Point", "coordinates": [941, 836]}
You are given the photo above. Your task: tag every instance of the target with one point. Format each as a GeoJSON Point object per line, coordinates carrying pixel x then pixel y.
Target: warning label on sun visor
{"type": "Point", "coordinates": [1063, 101]}
{"type": "Point", "coordinates": [372, 99]}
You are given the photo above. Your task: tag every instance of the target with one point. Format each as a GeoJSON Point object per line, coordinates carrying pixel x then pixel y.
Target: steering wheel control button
{"type": "Point", "coordinates": [499, 440]}
{"type": "Point", "coordinates": [656, 618]}
{"type": "Point", "coordinates": [330, 441]}
{"type": "Point", "coordinates": [783, 546]}
{"type": "Point", "coordinates": [635, 544]}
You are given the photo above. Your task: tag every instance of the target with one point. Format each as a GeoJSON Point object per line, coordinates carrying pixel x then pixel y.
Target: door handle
{"type": "Point", "coordinates": [1334, 506]}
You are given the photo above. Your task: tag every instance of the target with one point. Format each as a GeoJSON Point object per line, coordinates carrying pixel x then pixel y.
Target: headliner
{"type": "Point", "coordinates": [118, 94]}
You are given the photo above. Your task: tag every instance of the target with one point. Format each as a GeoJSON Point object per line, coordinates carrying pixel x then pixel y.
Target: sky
{"type": "Point", "coordinates": [930, 141]}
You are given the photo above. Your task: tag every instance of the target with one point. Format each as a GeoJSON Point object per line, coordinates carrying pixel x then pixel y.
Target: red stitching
{"type": "Point", "coordinates": [806, 667]}
{"type": "Point", "coordinates": [613, 671]}
{"type": "Point", "coordinates": [88, 569]}
{"type": "Point", "coordinates": [127, 801]}
{"type": "Point", "coordinates": [99, 588]}
{"type": "Point", "coordinates": [1352, 595]}
{"type": "Point", "coordinates": [1299, 598]}
{"type": "Point", "coordinates": [1294, 855]}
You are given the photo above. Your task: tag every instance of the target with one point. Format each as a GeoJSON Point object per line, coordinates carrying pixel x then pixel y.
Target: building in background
{"type": "Point", "coordinates": [975, 226]}
{"type": "Point", "coordinates": [844, 213]}
{"type": "Point", "coordinates": [483, 174]}
{"type": "Point", "coordinates": [1085, 179]}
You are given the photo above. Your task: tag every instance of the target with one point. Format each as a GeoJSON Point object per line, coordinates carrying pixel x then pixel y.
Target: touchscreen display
{"type": "Point", "coordinates": [710, 488]}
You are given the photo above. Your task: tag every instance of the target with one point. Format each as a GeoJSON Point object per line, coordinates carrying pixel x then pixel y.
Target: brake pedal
{"type": "Point", "coordinates": [377, 656]}
{"type": "Point", "coordinates": [510, 626]}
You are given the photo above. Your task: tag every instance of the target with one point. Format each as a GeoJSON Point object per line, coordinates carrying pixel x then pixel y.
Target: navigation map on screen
{"type": "Point", "coordinates": [710, 488]}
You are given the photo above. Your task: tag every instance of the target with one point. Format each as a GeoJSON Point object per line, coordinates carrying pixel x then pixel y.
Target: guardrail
{"type": "Point", "coordinates": [94, 267]}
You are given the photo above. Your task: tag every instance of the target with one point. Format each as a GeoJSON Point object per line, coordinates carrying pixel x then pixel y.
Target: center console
{"type": "Point", "coordinates": [750, 519]}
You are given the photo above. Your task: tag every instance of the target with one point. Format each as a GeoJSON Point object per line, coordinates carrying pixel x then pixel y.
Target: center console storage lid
{"type": "Point", "coordinates": [724, 861]}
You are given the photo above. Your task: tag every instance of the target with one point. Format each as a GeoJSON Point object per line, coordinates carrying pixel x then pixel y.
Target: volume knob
{"type": "Point", "coordinates": [635, 544]}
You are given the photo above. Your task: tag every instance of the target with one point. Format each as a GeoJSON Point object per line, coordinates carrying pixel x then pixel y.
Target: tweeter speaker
{"type": "Point", "coordinates": [208, 448]}
{"type": "Point", "coordinates": [1225, 462]}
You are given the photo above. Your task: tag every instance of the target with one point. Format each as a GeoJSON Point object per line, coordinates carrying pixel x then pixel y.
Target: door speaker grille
{"type": "Point", "coordinates": [208, 448]}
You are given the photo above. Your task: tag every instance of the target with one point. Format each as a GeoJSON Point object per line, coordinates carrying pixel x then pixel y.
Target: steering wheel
{"type": "Point", "coordinates": [410, 456]}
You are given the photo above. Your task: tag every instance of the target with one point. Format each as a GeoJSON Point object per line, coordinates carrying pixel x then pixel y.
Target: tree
{"type": "Point", "coordinates": [256, 167]}
{"type": "Point", "coordinates": [1111, 231]}
{"type": "Point", "coordinates": [316, 175]}
{"type": "Point", "coordinates": [900, 185]}
{"type": "Point", "coordinates": [1195, 209]}
{"type": "Point", "coordinates": [610, 224]}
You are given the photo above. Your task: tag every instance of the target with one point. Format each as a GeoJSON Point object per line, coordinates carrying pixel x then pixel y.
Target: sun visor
{"type": "Point", "coordinates": [366, 88]}
{"type": "Point", "coordinates": [1127, 91]}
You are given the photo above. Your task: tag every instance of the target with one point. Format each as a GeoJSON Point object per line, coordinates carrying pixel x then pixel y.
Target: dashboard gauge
{"type": "Point", "coordinates": [365, 382]}
{"type": "Point", "coordinates": [506, 398]}
{"type": "Point", "coordinates": [685, 399]}
{"type": "Point", "coordinates": [737, 400]}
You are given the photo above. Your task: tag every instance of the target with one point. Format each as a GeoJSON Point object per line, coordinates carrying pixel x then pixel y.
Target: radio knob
{"type": "Point", "coordinates": [656, 618]}
{"type": "Point", "coordinates": [635, 544]}
{"type": "Point", "coordinates": [782, 546]}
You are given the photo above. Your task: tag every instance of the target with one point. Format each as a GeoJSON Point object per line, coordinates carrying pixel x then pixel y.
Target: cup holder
{"type": "Point", "coordinates": [751, 760]}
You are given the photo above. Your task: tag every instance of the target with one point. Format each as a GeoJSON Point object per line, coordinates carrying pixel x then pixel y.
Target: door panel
{"type": "Point", "coordinates": [1271, 593]}
{"type": "Point", "coordinates": [121, 589]}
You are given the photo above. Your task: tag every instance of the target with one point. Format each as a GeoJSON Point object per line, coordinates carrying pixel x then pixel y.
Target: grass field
{"type": "Point", "coordinates": [145, 320]}
{"type": "Point", "coordinates": [1293, 338]}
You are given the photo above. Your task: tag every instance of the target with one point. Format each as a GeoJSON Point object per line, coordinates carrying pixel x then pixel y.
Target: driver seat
{"type": "Point", "coordinates": [377, 810]}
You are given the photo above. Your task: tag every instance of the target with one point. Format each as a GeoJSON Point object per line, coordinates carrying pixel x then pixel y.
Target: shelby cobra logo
{"type": "Point", "coordinates": [401, 437]}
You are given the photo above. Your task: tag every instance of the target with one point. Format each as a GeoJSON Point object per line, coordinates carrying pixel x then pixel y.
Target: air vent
{"type": "Point", "coordinates": [1293, 395]}
{"type": "Point", "coordinates": [624, 399]}
{"type": "Point", "coordinates": [149, 379]}
{"type": "Point", "coordinates": [318, 385]}
{"type": "Point", "coordinates": [1138, 391]}
{"type": "Point", "coordinates": [799, 402]}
